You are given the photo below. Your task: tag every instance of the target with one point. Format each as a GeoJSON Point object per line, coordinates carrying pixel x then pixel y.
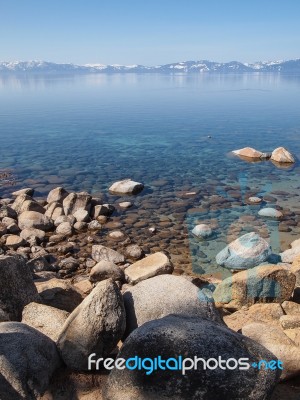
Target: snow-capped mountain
{"type": "Point", "coordinates": [203, 66]}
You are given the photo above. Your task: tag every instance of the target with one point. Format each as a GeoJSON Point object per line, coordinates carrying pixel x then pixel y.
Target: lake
{"type": "Point", "coordinates": [174, 133]}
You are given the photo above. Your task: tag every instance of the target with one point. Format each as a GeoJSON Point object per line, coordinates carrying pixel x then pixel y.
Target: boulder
{"type": "Point", "coordinates": [262, 284]}
{"type": "Point", "coordinates": [33, 219]}
{"type": "Point", "coordinates": [148, 267]}
{"type": "Point", "coordinates": [54, 210]}
{"type": "Point", "coordinates": [163, 295]}
{"type": "Point", "coordinates": [269, 313]}
{"type": "Point", "coordinates": [14, 242]}
{"type": "Point", "coordinates": [57, 195]}
{"type": "Point", "coordinates": [40, 262]}
{"type": "Point", "coordinates": [102, 209]}
{"type": "Point", "coordinates": [27, 362]}
{"type": "Point", "coordinates": [101, 316]}
{"type": "Point", "coordinates": [31, 205]}
{"type": "Point", "coordinates": [3, 229]}
{"type": "Point", "coordinates": [105, 270]}
{"type": "Point", "coordinates": [7, 211]}
{"type": "Point", "coordinates": [46, 319]}
{"type": "Point", "coordinates": [126, 186]}
{"type": "Point", "coordinates": [31, 233]}
{"type": "Point", "coordinates": [295, 269]}
{"type": "Point", "coordinates": [276, 341]}
{"type": "Point", "coordinates": [75, 201]}
{"type": "Point", "coordinates": [18, 203]}
{"type": "Point", "coordinates": [81, 226]}
{"type": "Point", "coordinates": [270, 212]}
{"type": "Point", "coordinates": [282, 155]}
{"type": "Point", "coordinates": [16, 286]}
{"type": "Point", "coordinates": [81, 215]}
{"type": "Point", "coordinates": [248, 152]}
{"type": "Point", "coordinates": [290, 321]}
{"type": "Point", "coordinates": [245, 252]}
{"type": "Point", "coordinates": [100, 253]}
{"type": "Point", "coordinates": [174, 336]}
{"type": "Point", "coordinates": [60, 294]}
{"type": "Point", "coordinates": [28, 191]}
{"type": "Point", "coordinates": [202, 231]}
{"type": "Point", "coordinates": [65, 229]}
{"type": "Point", "coordinates": [290, 307]}
{"type": "Point", "coordinates": [289, 255]}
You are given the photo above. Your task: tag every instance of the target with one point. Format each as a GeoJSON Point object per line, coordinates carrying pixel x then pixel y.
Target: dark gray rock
{"type": "Point", "coordinates": [174, 336]}
{"type": "Point", "coordinates": [95, 326]}
{"type": "Point", "coordinates": [16, 286]}
{"type": "Point", "coordinates": [28, 360]}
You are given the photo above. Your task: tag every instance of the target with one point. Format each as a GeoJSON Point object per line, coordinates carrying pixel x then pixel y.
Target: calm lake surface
{"type": "Point", "coordinates": [174, 133]}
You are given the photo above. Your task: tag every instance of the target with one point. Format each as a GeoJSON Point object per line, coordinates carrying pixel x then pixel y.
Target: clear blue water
{"type": "Point", "coordinates": [85, 132]}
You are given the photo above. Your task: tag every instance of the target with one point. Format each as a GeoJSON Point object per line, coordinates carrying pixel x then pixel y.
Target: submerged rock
{"type": "Point", "coordinates": [189, 337]}
{"type": "Point", "coordinates": [248, 152]}
{"type": "Point", "coordinates": [126, 186]}
{"type": "Point", "coordinates": [270, 212]}
{"type": "Point", "coordinates": [282, 155]}
{"type": "Point", "coordinates": [202, 231]}
{"type": "Point", "coordinates": [245, 252]}
{"type": "Point", "coordinates": [262, 284]}
{"type": "Point", "coordinates": [100, 253]}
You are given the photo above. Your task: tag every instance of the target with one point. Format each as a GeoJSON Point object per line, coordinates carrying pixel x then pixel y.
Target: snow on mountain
{"type": "Point", "coordinates": [202, 66]}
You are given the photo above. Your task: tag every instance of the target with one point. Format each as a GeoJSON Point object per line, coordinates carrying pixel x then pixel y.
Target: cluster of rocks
{"type": "Point", "coordinates": [128, 303]}
{"type": "Point", "coordinates": [279, 155]}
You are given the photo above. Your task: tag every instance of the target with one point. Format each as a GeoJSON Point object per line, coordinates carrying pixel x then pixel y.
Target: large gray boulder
{"type": "Point", "coordinates": [189, 337]}
{"type": "Point", "coordinates": [46, 319]}
{"type": "Point", "coordinates": [27, 361]}
{"type": "Point", "coordinates": [16, 286]}
{"type": "Point", "coordinates": [163, 295]}
{"type": "Point", "coordinates": [245, 252]}
{"type": "Point", "coordinates": [262, 284]}
{"type": "Point", "coordinates": [126, 186]}
{"type": "Point", "coordinates": [150, 266]}
{"type": "Point", "coordinates": [95, 326]}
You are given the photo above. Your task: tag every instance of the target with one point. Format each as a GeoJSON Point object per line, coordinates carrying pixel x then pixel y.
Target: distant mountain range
{"type": "Point", "coordinates": [204, 66]}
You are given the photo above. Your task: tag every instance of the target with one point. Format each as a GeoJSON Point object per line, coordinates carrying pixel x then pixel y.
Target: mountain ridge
{"type": "Point", "coordinates": [201, 66]}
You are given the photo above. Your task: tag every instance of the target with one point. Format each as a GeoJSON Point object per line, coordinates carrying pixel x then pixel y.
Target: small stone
{"type": "Point", "coordinates": [125, 204]}
{"type": "Point", "coordinates": [202, 231]}
{"type": "Point", "coordinates": [116, 235]}
{"type": "Point", "coordinates": [134, 251]}
{"type": "Point", "coordinates": [270, 212]}
{"type": "Point", "coordinates": [80, 226]}
{"type": "Point", "coordinates": [255, 200]}
{"type": "Point", "coordinates": [94, 226]}
{"type": "Point", "coordinates": [14, 241]}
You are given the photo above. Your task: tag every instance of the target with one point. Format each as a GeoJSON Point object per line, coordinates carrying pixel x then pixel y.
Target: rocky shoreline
{"type": "Point", "coordinates": [67, 292]}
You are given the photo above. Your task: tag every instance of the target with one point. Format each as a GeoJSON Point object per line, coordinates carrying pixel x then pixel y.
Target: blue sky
{"type": "Point", "coordinates": [149, 32]}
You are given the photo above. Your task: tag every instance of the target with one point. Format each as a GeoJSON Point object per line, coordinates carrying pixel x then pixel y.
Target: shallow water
{"type": "Point", "coordinates": [85, 132]}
